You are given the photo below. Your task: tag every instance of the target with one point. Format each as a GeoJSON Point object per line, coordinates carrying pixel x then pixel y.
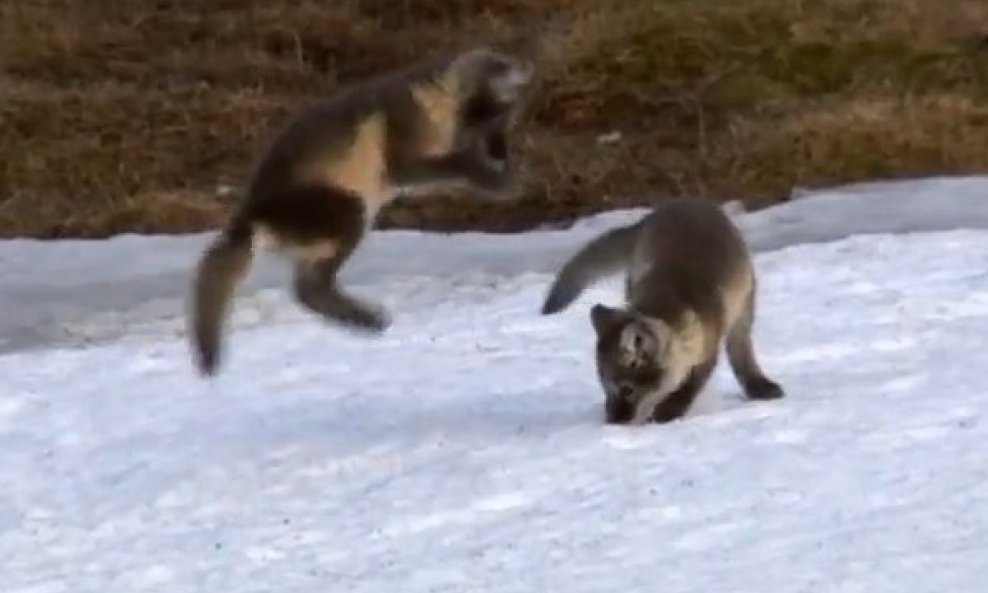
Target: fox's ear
{"type": "Point", "coordinates": [604, 318]}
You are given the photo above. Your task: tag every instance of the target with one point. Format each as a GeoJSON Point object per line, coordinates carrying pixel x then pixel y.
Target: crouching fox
{"type": "Point", "coordinates": [689, 283]}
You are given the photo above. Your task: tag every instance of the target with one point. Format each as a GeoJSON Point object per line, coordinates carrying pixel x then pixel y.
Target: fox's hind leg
{"type": "Point", "coordinates": [741, 356]}
{"type": "Point", "coordinates": [317, 288]}
{"type": "Point", "coordinates": [321, 227]}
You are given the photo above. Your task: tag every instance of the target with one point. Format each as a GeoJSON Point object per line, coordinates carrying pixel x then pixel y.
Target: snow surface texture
{"type": "Point", "coordinates": [463, 450]}
{"type": "Point", "coordinates": [51, 290]}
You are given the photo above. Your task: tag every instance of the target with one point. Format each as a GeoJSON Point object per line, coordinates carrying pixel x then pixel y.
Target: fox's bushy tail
{"type": "Point", "coordinates": [607, 254]}
{"type": "Point", "coordinates": [221, 268]}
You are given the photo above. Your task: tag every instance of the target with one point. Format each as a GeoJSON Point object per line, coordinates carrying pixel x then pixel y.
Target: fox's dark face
{"type": "Point", "coordinates": [494, 83]}
{"type": "Point", "coordinates": [628, 361]}
{"type": "Point", "coordinates": [506, 76]}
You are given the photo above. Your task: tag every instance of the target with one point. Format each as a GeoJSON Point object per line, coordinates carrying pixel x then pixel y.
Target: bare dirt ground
{"type": "Point", "coordinates": [131, 115]}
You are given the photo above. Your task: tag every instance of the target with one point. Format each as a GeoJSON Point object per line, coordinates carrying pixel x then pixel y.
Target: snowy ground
{"type": "Point", "coordinates": [463, 451]}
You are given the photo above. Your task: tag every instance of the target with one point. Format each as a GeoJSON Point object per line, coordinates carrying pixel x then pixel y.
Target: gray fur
{"type": "Point", "coordinates": [690, 283]}
{"type": "Point", "coordinates": [316, 191]}
{"type": "Point", "coordinates": [604, 256]}
{"type": "Point", "coordinates": [221, 266]}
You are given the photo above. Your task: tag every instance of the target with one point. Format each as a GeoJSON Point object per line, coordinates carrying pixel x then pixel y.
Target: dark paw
{"type": "Point", "coordinates": [617, 411]}
{"type": "Point", "coordinates": [494, 180]}
{"type": "Point", "coordinates": [205, 355]}
{"type": "Point", "coordinates": [666, 415]}
{"type": "Point", "coordinates": [207, 363]}
{"type": "Point", "coordinates": [764, 389]}
{"type": "Point", "coordinates": [366, 321]}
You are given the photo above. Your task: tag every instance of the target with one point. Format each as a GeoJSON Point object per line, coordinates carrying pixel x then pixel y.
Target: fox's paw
{"type": "Point", "coordinates": [368, 319]}
{"type": "Point", "coordinates": [764, 389]}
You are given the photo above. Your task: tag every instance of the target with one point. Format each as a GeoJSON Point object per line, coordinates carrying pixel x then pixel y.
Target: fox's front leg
{"type": "Point", "coordinates": [678, 403]}
{"type": "Point", "coordinates": [482, 162]}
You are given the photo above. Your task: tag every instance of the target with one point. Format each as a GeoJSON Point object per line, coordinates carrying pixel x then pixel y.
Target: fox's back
{"type": "Point", "coordinates": [689, 249]}
{"type": "Point", "coordinates": [692, 233]}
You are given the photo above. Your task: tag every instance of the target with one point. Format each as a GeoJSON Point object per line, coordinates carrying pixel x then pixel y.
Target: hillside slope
{"type": "Point", "coordinates": [463, 451]}
{"type": "Point", "coordinates": [131, 115]}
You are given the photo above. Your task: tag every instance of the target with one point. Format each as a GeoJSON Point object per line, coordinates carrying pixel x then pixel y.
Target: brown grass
{"type": "Point", "coordinates": [128, 115]}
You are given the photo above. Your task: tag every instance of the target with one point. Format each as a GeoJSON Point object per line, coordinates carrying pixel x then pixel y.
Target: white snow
{"type": "Point", "coordinates": [464, 451]}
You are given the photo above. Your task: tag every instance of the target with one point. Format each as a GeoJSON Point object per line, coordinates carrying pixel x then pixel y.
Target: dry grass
{"type": "Point", "coordinates": [127, 115]}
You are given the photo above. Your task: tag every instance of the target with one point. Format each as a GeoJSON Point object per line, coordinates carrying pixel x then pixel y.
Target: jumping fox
{"type": "Point", "coordinates": [316, 191]}
{"type": "Point", "coordinates": [689, 282]}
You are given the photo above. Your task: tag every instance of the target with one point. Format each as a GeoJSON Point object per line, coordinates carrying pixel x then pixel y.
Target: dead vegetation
{"type": "Point", "coordinates": [127, 115]}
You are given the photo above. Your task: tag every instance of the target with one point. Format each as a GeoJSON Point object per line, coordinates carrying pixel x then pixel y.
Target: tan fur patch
{"type": "Point", "coordinates": [319, 251]}
{"type": "Point", "coordinates": [680, 349]}
{"type": "Point", "coordinates": [688, 346]}
{"type": "Point", "coordinates": [735, 294]}
{"type": "Point", "coordinates": [360, 168]}
{"type": "Point", "coordinates": [692, 341]}
{"type": "Point", "coordinates": [265, 240]}
{"type": "Point", "coordinates": [439, 101]}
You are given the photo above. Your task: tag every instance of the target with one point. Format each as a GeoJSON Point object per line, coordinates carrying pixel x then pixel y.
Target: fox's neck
{"type": "Point", "coordinates": [670, 292]}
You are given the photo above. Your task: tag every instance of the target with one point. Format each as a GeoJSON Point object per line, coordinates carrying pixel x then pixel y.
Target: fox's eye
{"type": "Point", "coordinates": [639, 341]}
